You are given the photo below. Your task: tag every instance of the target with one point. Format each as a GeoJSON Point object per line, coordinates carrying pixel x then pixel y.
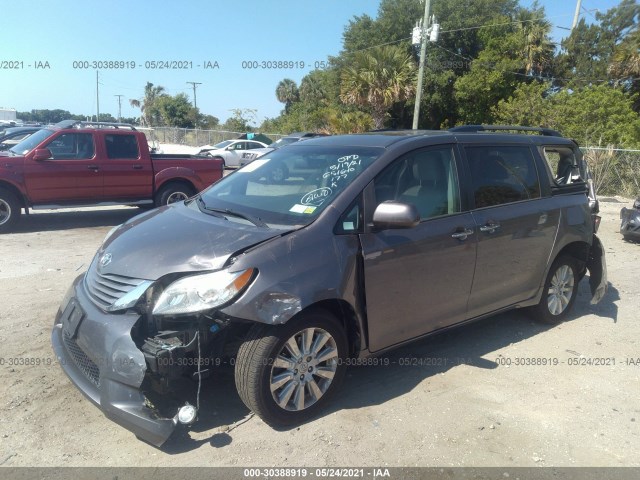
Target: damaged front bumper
{"type": "Point", "coordinates": [630, 223]}
{"type": "Point", "coordinates": [96, 351]}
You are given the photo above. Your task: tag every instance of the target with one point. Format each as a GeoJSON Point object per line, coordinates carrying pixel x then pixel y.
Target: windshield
{"type": "Point", "coordinates": [223, 144]}
{"type": "Point", "coordinates": [292, 186]}
{"type": "Point", "coordinates": [31, 142]}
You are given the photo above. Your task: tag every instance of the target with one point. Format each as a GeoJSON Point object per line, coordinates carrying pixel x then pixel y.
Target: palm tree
{"type": "Point", "coordinates": [625, 66]}
{"type": "Point", "coordinates": [287, 93]}
{"type": "Point", "coordinates": [148, 114]}
{"type": "Point", "coordinates": [535, 31]}
{"type": "Point", "coordinates": [378, 78]}
{"type": "Point", "coordinates": [312, 90]}
{"type": "Point", "coordinates": [626, 58]}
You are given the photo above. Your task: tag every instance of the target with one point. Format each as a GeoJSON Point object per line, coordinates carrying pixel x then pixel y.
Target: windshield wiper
{"type": "Point", "coordinates": [226, 211]}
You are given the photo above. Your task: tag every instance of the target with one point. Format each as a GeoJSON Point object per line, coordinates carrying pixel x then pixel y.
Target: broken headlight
{"type": "Point", "coordinates": [199, 293]}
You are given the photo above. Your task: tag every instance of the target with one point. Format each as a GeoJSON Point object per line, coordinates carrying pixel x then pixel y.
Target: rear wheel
{"type": "Point", "coordinates": [560, 291]}
{"type": "Point", "coordinates": [286, 373]}
{"type": "Point", "coordinates": [173, 192]}
{"type": "Point", "coordinates": [10, 210]}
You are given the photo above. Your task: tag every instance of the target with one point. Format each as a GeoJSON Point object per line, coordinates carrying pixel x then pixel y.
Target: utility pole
{"type": "Point", "coordinates": [195, 103]}
{"type": "Point", "coordinates": [423, 54]}
{"type": "Point", "coordinates": [577, 15]}
{"type": "Point", "coordinates": [195, 84]}
{"type": "Point", "coordinates": [97, 99]}
{"type": "Point", "coordinates": [119, 106]}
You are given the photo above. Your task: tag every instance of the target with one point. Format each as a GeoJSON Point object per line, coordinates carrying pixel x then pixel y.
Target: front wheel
{"type": "Point", "coordinates": [560, 291]}
{"type": "Point", "coordinates": [10, 210]}
{"type": "Point", "coordinates": [173, 192]}
{"type": "Point", "coordinates": [286, 373]}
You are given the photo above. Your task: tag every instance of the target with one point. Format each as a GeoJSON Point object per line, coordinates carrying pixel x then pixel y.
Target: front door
{"type": "Point", "coordinates": [418, 280]}
{"type": "Point", "coordinates": [71, 175]}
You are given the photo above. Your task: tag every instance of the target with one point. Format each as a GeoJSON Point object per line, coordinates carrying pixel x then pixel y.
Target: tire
{"type": "Point", "coordinates": [10, 210]}
{"type": "Point", "coordinates": [268, 357]}
{"type": "Point", "coordinates": [173, 192]}
{"type": "Point", "coordinates": [560, 291]}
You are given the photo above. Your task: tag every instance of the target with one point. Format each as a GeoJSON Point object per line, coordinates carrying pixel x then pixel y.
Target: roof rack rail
{"type": "Point", "coordinates": [493, 128]}
{"type": "Point", "coordinates": [84, 124]}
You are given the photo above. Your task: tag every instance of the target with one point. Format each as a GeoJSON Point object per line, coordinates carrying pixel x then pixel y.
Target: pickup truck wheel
{"type": "Point", "coordinates": [174, 192]}
{"type": "Point", "coordinates": [560, 291]}
{"type": "Point", "coordinates": [10, 210]}
{"type": "Point", "coordinates": [287, 373]}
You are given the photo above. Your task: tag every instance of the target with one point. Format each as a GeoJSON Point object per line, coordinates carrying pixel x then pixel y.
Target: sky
{"type": "Point", "coordinates": [54, 45]}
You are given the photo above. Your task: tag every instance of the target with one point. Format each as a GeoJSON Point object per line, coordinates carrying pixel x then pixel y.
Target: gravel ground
{"type": "Point", "coordinates": [468, 408]}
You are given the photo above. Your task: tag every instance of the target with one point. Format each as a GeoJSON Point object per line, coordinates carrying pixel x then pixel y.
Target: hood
{"type": "Point", "coordinates": [176, 238]}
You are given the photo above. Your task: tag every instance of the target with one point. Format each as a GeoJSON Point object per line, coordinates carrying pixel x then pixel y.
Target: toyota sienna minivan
{"type": "Point", "coordinates": [366, 243]}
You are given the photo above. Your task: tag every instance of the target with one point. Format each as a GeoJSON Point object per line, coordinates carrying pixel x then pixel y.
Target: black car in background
{"type": "Point", "coordinates": [10, 137]}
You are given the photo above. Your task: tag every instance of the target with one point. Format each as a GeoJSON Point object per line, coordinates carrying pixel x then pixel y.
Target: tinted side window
{"type": "Point", "coordinates": [425, 178]}
{"type": "Point", "coordinates": [502, 174]}
{"type": "Point", "coordinates": [122, 146]}
{"type": "Point", "coordinates": [72, 146]}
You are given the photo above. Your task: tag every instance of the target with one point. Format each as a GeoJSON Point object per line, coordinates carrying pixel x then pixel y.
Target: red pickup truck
{"type": "Point", "coordinates": [85, 164]}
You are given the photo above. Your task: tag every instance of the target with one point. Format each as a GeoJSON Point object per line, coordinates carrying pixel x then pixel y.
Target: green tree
{"type": "Point", "coordinates": [494, 75]}
{"type": "Point", "coordinates": [176, 111]}
{"type": "Point", "coordinates": [593, 115]}
{"type": "Point", "coordinates": [535, 32]}
{"type": "Point", "coordinates": [149, 114]}
{"type": "Point", "coordinates": [378, 78]}
{"type": "Point", "coordinates": [287, 93]}
{"type": "Point", "coordinates": [241, 120]}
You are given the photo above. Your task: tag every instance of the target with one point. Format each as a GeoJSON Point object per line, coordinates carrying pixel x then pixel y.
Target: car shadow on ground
{"type": "Point", "coordinates": [66, 220]}
{"type": "Point", "coordinates": [390, 376]}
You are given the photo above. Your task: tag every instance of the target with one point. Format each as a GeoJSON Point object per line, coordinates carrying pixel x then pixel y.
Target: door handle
{"type": "Point", "coordinates": [95, 168]}
{"type": "Point", "coordinates": [490, 227]}
{"type": "Point", "coordinates": [137, 167]}
{"type": "Point", "coordinates": [462, 235]}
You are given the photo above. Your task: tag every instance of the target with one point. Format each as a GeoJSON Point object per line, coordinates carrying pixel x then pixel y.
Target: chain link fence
{"type": "Point", "coordinates": [615, 171]}
{"type": "Point", "coordinates": [192, 137]}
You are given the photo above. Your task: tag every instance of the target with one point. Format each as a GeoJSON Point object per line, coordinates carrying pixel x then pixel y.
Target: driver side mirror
{"type": "Point", "coordinates": [42, 154]}
{"type": "Point", "coordinates": [391, 214]}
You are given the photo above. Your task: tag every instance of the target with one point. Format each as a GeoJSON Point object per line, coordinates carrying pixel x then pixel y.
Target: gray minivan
{"type": "Point", "coordinates": [372, 241]}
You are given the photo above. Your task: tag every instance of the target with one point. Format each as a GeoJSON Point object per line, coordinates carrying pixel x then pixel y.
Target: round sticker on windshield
{"type": "Point", "coordinates": [316, 197]}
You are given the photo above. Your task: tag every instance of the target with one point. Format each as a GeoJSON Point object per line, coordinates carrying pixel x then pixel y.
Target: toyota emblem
{"type": "Point", "coordinates": [106, 259]}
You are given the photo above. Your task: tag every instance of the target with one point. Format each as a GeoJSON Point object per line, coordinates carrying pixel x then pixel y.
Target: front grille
{"type": "Point", "coordinates": [84, 363]}
{"type": "Point", "coordinates": [105, 290]}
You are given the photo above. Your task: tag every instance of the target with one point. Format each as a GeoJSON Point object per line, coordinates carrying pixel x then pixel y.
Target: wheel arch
{"type": "Point", "coordinates": [176, 181]}
{"type": "Point", "coordinates": [577, 250]}
{"type": "Point", "coordinates": [345, 314]}
{"type": "Point", "coordinates": [16, 191]}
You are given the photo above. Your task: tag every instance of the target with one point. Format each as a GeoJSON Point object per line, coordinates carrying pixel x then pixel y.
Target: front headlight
{"type": "Point", "coordinates": [198, 293]}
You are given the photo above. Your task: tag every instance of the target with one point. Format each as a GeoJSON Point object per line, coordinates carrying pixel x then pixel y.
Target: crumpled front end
{"type": "Point", "coordinates": [630, 222]}
{"type": "Point", "coordinates": [97, 352]}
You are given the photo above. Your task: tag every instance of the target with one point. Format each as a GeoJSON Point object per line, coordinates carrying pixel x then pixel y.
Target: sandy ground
{"type": "Point", "coordinates": [471, 410]}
